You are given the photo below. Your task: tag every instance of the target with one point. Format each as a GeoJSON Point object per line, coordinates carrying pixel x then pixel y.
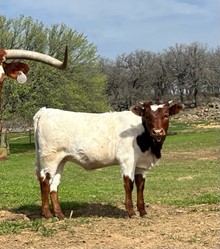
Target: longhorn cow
{"type": "Point", "coordinates": [133, 139]}
{"type": "Point", "coordinates": [18, 70]}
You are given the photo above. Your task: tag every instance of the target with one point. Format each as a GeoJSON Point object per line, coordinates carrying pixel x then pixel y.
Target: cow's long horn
{"type": "Point", "coordinates": [36, 56]}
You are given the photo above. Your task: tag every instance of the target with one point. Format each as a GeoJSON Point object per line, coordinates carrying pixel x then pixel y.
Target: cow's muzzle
{"type": "Point", "coordinates": [158, 134]}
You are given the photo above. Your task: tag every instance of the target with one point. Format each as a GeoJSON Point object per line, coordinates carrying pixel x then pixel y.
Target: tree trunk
{"type": "Point", "coordinates": [195, 93]}
{"type": "Point", "coordinates": [4, 145]}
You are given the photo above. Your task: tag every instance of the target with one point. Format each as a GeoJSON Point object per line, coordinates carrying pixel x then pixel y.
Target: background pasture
{"type": "Point", "coordinates": [186, 177]}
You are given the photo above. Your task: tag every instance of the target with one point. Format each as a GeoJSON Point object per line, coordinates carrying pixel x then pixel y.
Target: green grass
{"type": "Point", "coordinates": [178, 180]}
{"type": "Point", "coordinates": [193, 141]}
{"type": "Point", "coordinates": [21, 142]}
{"type": "Point", "coordinates": [186, 183]}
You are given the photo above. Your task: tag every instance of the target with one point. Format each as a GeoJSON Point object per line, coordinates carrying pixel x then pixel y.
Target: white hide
{"type": "Point", "coordinates": [90, 140]}
{"type": "Point", "coordinates": [156, 107]}
{"type": "Point", "coordinates": [2, 74]}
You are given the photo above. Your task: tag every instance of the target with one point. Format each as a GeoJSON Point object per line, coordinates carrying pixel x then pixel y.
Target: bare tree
{"type": "Point", "coordinates": [197, 59]}
{"type": "Point", "coordinates": [212, 84]}
{"type": "Point", "coordinates": [182, 72]}
{"type": "Point", "coordinates": [159, 77]}
{"type": "Point", "coordinates": [129, 78]}
{"type": "Point", "coordinates": [177, 66]}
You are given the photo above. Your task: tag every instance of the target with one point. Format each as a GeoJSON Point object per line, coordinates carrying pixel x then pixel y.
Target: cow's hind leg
{"type": "Point", "coordinates": [128, 185]}
{"type": "Point", "coordinates": [54, 191]}
{"type": "Point", "coordinates": [45, 190]}
{"type": "Point", "coordinates": [139, 182]}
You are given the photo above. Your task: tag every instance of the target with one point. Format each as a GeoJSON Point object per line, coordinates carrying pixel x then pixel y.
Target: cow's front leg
{"type": "Point", "coordinates": [140, 181]}
{"type": "Point", "coordinates": [56, 205]}
{"type": "Point", "coordinates": [128, 185]}
{"type": "Point", "coordinates": [45, 190]}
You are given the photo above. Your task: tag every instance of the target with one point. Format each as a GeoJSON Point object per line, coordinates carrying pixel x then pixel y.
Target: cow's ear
{"type": "Point", "coordinates": [137, 110]}
{"type": "Point", "coordinates": [175, 109]}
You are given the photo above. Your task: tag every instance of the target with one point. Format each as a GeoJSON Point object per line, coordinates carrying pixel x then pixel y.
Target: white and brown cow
{"type": "Point", "coordinates": [133, 139]}
{"type": "Point", "coordinates": [17, 69]}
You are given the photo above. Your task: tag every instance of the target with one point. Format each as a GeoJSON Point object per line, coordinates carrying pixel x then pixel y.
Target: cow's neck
{"type": "Point", "coordinates": [146, 142]}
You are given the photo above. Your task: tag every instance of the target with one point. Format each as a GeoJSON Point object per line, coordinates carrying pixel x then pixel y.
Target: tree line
{"type": "Point", "coordinates": [185, 73]}
{"type": "Point", "coordinates": [182, 72]}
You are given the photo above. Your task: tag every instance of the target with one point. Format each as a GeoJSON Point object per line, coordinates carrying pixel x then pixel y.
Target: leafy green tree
{"type": "Point", "coordinates": [81, 87]}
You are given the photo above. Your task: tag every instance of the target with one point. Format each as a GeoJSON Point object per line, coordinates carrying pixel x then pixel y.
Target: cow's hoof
{"type": "Point", "coordinates": [142, 213]}
{"type": "Point", "coordinates": [131, 213]}
{"type": "Point", "coordinates": [59, 215]}
{"type": "Point", "coordinates": [47, 214]}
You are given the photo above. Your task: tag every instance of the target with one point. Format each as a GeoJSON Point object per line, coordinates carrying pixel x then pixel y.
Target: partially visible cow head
{"type": "Point", "coordinates": [17, 70]}
{"type": "Point", "coordinates": [155, 117]}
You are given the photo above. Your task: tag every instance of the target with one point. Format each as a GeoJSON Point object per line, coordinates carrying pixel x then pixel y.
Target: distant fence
{"type": "Point", "coordinates": [24, 136]}
{"type": "Point", "coordinates": [9, 138]}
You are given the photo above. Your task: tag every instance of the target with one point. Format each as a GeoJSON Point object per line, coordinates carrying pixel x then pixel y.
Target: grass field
{"type": "Point", "coordinates": [188, 174]}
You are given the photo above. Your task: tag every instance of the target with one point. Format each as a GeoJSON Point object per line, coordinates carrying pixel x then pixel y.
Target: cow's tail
{"type": "Point", "coordinates": [37, 148]}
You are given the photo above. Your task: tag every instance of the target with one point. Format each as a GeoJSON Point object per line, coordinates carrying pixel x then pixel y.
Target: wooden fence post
{"type": "Point", "coordinates": [4, 146]}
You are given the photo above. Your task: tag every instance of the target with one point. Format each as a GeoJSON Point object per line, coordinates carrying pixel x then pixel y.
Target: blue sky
{"type": "Point", "coordinates": [122, 26]}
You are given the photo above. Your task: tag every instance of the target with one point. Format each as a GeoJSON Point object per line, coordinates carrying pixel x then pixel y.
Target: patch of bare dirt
{"type": "Point", "coordinates": [164, 227]}
{"type": "Point", "coordinates": [209, 126]}
{"type": "Point", "coordinates": [208, 154]}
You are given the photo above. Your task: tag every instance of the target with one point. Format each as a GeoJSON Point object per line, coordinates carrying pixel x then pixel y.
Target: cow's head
{"type": "Point", "coordinates": [17, 70]}
{"type": "Point", "coordinates": [155, 117]}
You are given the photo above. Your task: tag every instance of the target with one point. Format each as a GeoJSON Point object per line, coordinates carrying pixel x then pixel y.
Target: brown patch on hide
{"type": "Point", "coordinates": [13, 69]}
{"type": "Point", "coordinates": [2, 54]}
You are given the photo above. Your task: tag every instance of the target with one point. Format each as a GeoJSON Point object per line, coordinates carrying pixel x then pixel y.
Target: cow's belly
{"type": "Point", "coordinates": [92, 161]}
{"type": "Point", "coordinates": [94, 155]}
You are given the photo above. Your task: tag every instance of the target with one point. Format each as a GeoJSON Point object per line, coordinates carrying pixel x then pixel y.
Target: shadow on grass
{"type": "Point", "coordinates": [74, 210]}
{"type": "Point", "coordinates": [22, 148]}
